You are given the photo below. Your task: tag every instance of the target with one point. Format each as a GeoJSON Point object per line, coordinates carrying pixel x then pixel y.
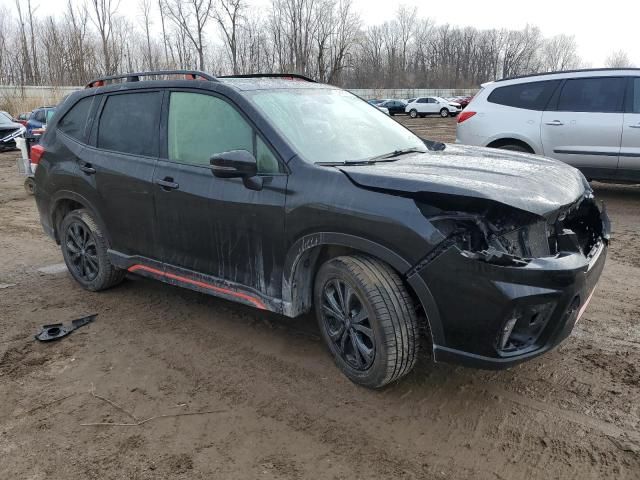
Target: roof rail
{"type": "Point", "coordinates": [579, 70]}
{"type": "Point", "coordinates": [135, 77]}
{"type": "Point", "coordinates": [286, 76]}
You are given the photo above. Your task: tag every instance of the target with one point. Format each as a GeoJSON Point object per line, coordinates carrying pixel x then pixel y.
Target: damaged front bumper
{"type": "Point", "coordinates": [494, 315]}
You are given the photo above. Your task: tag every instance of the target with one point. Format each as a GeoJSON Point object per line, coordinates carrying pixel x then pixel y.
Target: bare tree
{"type": "Point", "coordinates": [144, 7]}
{"type": "Point", "coordinates": [560, 53]}
{"type": "Point", "coordinates": [618, 59]}
{"type": "Point", "coordinates": [228, 15]}
{"type": "Point", "coordinates": [103, 18]}
{"type": "Point", "coordinates": [25, 51]}
{"type": "Point", "coordinates": [191, 17]}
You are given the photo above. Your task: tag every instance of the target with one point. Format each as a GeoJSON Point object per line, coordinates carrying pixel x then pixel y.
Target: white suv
{"type": "Point", "coordinates": [588, 118]}
{"type": "Point", "coordinates": [432, 105]}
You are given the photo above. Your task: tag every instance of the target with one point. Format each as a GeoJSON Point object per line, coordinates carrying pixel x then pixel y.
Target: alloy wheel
{"type": "Point", "coordinates": [347, 324]}
{"type": "Point", "coordinates": [82, 251]}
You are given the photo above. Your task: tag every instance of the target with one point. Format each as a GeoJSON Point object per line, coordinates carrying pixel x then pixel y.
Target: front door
{"type": "Point", "coordinates": [629, 166]}
{"type": "Point", "coordinates": [219, 227]}
{"type": "Point", "coordinates": [585, 127]}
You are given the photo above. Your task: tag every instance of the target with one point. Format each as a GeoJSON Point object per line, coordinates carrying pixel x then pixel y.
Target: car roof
{"type": "Point", "coordinates": [272, 83]}
{"type": "Point", "coordinates": [587, 72]}
{"type": "Point", "coordinates": [255, 81]}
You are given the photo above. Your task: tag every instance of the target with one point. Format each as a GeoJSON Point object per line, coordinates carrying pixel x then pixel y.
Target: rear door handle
{"type": "Point", "coordinates": [555, 123]}
{"type": "Point", "coordinates": [637, 125]}
{"type": "Point", "coordinates": [168, 184]}
{"type": "Point", "coordinates": [87, 168]}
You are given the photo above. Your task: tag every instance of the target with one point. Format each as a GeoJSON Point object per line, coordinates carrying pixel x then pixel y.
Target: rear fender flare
{"type": "Point", "coordinates": [63, 195]}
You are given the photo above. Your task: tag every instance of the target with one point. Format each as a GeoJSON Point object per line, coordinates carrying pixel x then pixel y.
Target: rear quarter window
{"type": "Point", "coordinates": [530, 96]}
{"type": "Point", "coordinates": [75, 122]}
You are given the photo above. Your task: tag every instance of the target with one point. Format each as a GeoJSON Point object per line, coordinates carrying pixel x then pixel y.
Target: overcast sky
{"type": "Point", "coordinates": [599, 27]}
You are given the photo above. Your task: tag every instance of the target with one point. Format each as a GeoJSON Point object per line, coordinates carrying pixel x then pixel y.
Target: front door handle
{"type": "Point", "coordinates": [167, 184]}
{"type": "Point", "coordinates": [87, 168]}
{"type": "Point", "coordinates": [637, 125]}
{"type": "Point", "coordinates": [555, 123]}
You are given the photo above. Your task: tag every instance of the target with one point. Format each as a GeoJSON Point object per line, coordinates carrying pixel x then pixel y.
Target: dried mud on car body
{"type": "Point", "coordinates": [285, 411]}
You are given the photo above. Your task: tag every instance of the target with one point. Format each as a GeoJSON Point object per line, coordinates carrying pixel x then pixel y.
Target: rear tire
{"type": "Point", "coordinates": [30, 186]}
{"type": "Point", "coordinates": [84, 248]}
{"type": "Point", "coordinates": [367, 319]}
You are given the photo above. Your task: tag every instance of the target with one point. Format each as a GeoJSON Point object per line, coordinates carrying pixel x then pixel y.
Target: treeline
{"type": "Point", "coordinates": [324, 39]}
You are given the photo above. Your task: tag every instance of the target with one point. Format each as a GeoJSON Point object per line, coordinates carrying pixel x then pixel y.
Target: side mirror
{"type": "Point", "coordinates": [234, 164]}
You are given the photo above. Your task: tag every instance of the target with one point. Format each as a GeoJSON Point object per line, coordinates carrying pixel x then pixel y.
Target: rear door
{"type": "Point", "coordinates": [218, 226]}
{"type": "Point", "coordinates": [583, 126]}
{"type": "Point", "coordinates": [629, 166]}
{"type": "Point", "coordinates": [117, 170]}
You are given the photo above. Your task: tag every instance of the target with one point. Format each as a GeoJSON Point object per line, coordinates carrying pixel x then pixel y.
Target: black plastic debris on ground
{"type": "Point", "coordinates": [59, 330]}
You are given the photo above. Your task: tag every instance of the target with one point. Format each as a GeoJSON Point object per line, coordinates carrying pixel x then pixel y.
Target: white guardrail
{"type": "Point", "coordinates": [35, 95]}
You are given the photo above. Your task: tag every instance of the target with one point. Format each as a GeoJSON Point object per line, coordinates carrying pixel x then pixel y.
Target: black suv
{"type": "Point", "coordinates": [287, 195]}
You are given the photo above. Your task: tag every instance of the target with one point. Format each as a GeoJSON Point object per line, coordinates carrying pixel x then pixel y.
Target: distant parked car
{"type": "Point", "coordinates": [9, 131]}
{"type": "Point", "coordinates": [375, 101]}
{"type": "Point", "coordinates": [385, 110]}
{"type": "Point", "coordinates": [463, 101]}
{"type": "Point", "coordinates": [432, 105]}
{"type": "Point", "coordinates": [23, 118]}
{"type": "Point", "coordinates": [395, 107]}
{"type": "Point", "coordinates": [587, 118]}
{"type": "Point", "coordinates": [39, 118]}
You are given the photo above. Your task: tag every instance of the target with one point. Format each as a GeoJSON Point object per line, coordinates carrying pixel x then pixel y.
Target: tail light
{"type": "Point", "coordinates": [36, 154]}
{"type": "Point", "coordinates": [465, 116]}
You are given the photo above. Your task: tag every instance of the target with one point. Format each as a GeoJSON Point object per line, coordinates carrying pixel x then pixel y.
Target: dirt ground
{"type": "Point", "coordinates": [266, 400]}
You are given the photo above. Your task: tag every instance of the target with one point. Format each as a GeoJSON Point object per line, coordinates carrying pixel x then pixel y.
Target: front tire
{"type": "Point", "coordinates": [514, 147]}
{"type": "Point", "coordinates": [84, 248]}
{"type": "Point", "coordinates": [413, 113]}
{"type": "Point", "coordinates": [444, 113]}
{"type": "Point", "coordinates": [367, 319]}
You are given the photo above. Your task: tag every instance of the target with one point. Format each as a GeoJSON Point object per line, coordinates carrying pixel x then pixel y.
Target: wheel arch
{"type": "Point", "coordinates": [511, 140]}
{"type": "Point", "coordinates": [309, 252]}
{"type": "Point", "coordinates": [64, 202]}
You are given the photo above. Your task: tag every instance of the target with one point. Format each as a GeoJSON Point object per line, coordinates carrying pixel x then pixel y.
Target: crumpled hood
{"type": "Point", "coordinates": [535, 184]}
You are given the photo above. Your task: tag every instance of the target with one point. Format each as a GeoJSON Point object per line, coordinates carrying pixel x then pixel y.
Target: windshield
{"type": "Point", "coordinates": [49, 115]}
{"type": "Point", "coordinates": [333, 126]}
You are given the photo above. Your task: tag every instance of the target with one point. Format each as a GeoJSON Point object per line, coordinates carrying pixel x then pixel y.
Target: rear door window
{"type": "Point", "coordinates": [599, 94]}
{"type": "Point", "coordinates": [636, 96]}
{"type": "Point", "coordinates": [203, 125]}
{"type": "Point", "coordinates": [530, 96]}
{"type": "Point", "coordinates": [75, 122]}
{"type": "Point", "coordinates": [129, 123]}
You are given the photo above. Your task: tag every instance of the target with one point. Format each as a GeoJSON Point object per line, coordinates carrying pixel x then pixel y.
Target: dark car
{"type": "Point", "coordinates": [39, 118]}
{"type": "Point", "coordinates": [395, 107]}
{"type": "Point", "coordinates": [23, 118]}
{"type": "Point", "coordinates": [227, 186]}
{"type": "Point", "coordinates": [9, 131]}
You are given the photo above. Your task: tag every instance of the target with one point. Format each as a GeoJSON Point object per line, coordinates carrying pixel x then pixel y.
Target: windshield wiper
{"type": "Point", "coordinates": [385, 157]}
{"type": "Point", "coordinates": [395, 153]}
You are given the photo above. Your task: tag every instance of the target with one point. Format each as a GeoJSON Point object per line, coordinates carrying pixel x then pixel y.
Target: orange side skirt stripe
{"type": "Point", "coordinates": [244, 296]}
